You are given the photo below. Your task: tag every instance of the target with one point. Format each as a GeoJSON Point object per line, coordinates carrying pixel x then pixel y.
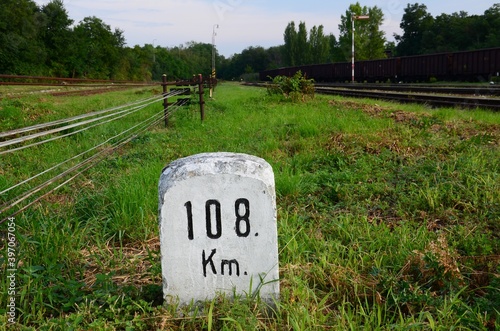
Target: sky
{"type": "Point", "coordinates": [239, 24]}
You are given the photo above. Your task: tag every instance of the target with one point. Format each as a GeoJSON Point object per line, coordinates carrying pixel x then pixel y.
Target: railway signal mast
{"type": "Point", "coordinates": [353, 18]}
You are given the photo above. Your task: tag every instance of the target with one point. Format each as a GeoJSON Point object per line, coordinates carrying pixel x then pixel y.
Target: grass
{"type": "Point", "coordinates": [387, 216]}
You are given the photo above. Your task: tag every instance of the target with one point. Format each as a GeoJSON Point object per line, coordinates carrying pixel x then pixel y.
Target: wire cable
{"type": "Point", "coordinates": [161, 115]}
{"type": "Point", "coordinates": [75, 118]}
{"type": "Point", "coordinates": [88, 161]}
{"type": "Point", "coordinates": [133, 110]}
{"type": "Point", "coordinates": [36, 189]}
{"type": "Point", "coordinates": [67, 127]}
{"type": "Point", "coordinates": [144, 125]}
{"type": "Point", "coordinates": [66, 161]}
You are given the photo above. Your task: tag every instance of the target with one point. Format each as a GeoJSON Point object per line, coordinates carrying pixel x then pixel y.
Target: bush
{"type": "Point", "coordinates": [297, 87]}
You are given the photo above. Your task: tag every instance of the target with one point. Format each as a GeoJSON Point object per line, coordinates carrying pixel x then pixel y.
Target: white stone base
{"type": "Point", "coordinates": [218, 231]}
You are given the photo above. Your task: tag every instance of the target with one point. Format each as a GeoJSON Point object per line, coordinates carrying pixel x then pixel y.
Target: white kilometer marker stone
{"type": "Point", "coordinates": [218, 231]}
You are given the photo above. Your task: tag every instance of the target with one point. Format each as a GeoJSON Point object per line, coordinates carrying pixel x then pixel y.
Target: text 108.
{"type": "Point", "coordinates": [241, 215]}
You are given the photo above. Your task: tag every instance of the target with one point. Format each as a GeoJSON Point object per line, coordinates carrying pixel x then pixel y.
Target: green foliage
{"type": "Point", "coordinates": [302, 48]}
{"type": "Point", "coordinates": [319, 45]}
{"type": "Point", "coordinates": [416, 21]}
{"type": "Point", "coordinates": [43, 40]}
{"type": "Point", "coordinates": [251, 60]}
{"type": "Point", "coordinates": [22, 51]}
{"type": "Point", "coordinates": [369, 39]}
{"type": "Point", "coordinates": [291, 48]}
{"type": "Point", "coordinates": [423, 33]}
{"type": "Point", "coordinates": [97, 49]}
{"type": "Point", "coordinates": [296, 87]}
{"type": "Point", "coordinates": [387, 217]}
{"type": "Point", "coordinates": [56, 35]}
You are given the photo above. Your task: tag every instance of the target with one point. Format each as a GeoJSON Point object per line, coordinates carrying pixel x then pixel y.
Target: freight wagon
{"type": "Point", "coordinates": [423, 68]}
{"type": "Point", "coordinates": [478, 65]}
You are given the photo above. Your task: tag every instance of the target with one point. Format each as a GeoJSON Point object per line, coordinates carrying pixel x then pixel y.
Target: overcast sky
{"type": "Point", "coordinates": [242, 23]}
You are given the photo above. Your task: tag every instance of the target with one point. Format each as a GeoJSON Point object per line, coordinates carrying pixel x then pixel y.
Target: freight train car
{"type": "Point", "coordinates": [271, 73]}
{"type": "Point", "coordinates": [319, 72]}
{"type": "Point", "coordinates": [342, 72]}
{"type": "Point", "coordinates": [423, 68]}
{"type": "Point", "coordinates": [382, 70]}
{"type": "Point", "coordinates": [478, 65]}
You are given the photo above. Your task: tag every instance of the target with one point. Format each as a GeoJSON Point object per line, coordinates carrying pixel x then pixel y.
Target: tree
{"type": "Point", "coordinates": [336, 53]}
{"type": "Point", "coordinates": [135, 64]}
{"type": "Point", "coordinates": [275, 56]}
{"type": "Point", "coordinates": [303, 47]}
{"type": "Point", "coordinates": [97, 48]}
{"type": "Point", "coordinates": [21, 50]}
{"type": "Point", "coordinates": [375, 37]}
{"type": "Point", "coordinates": [291, 47]}
{"type": "Point", "coordinates": [254, 58]}
{"type": "Point", "coordinates": [369, 40]}
{"type": "Point", "coordinates": [319, 45]}
{"type": "Point", "coordinates": [459, 31]}
{"type": "Point", "coordinates": [492, 17]}
{"type": "Point", "coordinates": [415, 23]}
{"type": "Point", "coordinates": [56, 35]}
{"type": "Point", "coordinates": [451, 33]}
{"type": "Point", "coordinates": [251, 60]}
{"type": "Point", "coordinates": [199, 58]}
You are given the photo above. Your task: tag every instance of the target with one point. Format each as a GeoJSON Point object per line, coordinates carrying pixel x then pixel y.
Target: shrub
{"type": "Point", "coordinates": [297, 87]}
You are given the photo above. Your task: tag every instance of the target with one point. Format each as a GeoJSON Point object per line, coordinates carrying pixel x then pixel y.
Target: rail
{"type": "Point", "coordinates": [58, 86]}
{"type": "Point", "coordinates": [449, 98]}
{"type": "Point", "coordinates": [47, 81]}
{"type": "Point", "coordinates": [477, 89]}
{"type": "Point", "coordinates": [25, 192]}
{"type": "Point", "coordinates": [437, 100]}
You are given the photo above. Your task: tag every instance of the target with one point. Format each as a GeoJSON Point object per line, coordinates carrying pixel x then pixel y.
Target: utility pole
{"type": "Point", "coordinates": [213, 75]}
{"type": "Point", "coordinates": [154, 52]}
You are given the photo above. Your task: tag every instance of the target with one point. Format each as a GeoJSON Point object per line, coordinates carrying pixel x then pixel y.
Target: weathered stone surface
{"type": "Point", "coordinates": [218, 231]}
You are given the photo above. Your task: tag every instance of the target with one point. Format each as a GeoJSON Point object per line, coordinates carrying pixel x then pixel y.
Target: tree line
{"type": "Point", "coordinates": [424, 34]}
{"type": "Point", "coordinates": [42, 40]}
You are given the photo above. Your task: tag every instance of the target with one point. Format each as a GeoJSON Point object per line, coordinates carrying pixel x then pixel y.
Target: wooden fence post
{"type": "Point", "coordinates": [201, 92]}
{"type": "Point", "coordinates": [165, 100]}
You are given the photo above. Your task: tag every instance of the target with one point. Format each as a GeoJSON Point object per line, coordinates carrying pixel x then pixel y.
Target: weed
{"type": "Point", "coordinates": [297, 87]}
{"type": "Point", "coordinates": [387, 217]}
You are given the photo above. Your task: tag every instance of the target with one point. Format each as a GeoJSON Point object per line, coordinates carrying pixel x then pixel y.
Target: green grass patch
{"type": "Point", "coordinates": [388, 216]}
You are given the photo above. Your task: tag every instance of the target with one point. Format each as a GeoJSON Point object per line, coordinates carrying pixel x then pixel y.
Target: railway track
{"type": "Point", "coordinates": [57, 86]}
{"type": "Point", "coordinates": [67, 91]}
{"type": "Point", "coordinates": [450, 97]}
{"type": "Point", "coordinates": [477, 90]}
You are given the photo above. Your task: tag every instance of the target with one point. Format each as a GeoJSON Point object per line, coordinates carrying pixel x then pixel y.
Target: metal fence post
{"type": "Point", "coordinates": [165, 100]}
{"type": "Point", "coordinates": [201, 92]}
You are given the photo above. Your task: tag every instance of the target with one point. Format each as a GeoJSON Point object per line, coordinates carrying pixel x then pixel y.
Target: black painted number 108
{"type": "Point", "coordinates": [241, 212]}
